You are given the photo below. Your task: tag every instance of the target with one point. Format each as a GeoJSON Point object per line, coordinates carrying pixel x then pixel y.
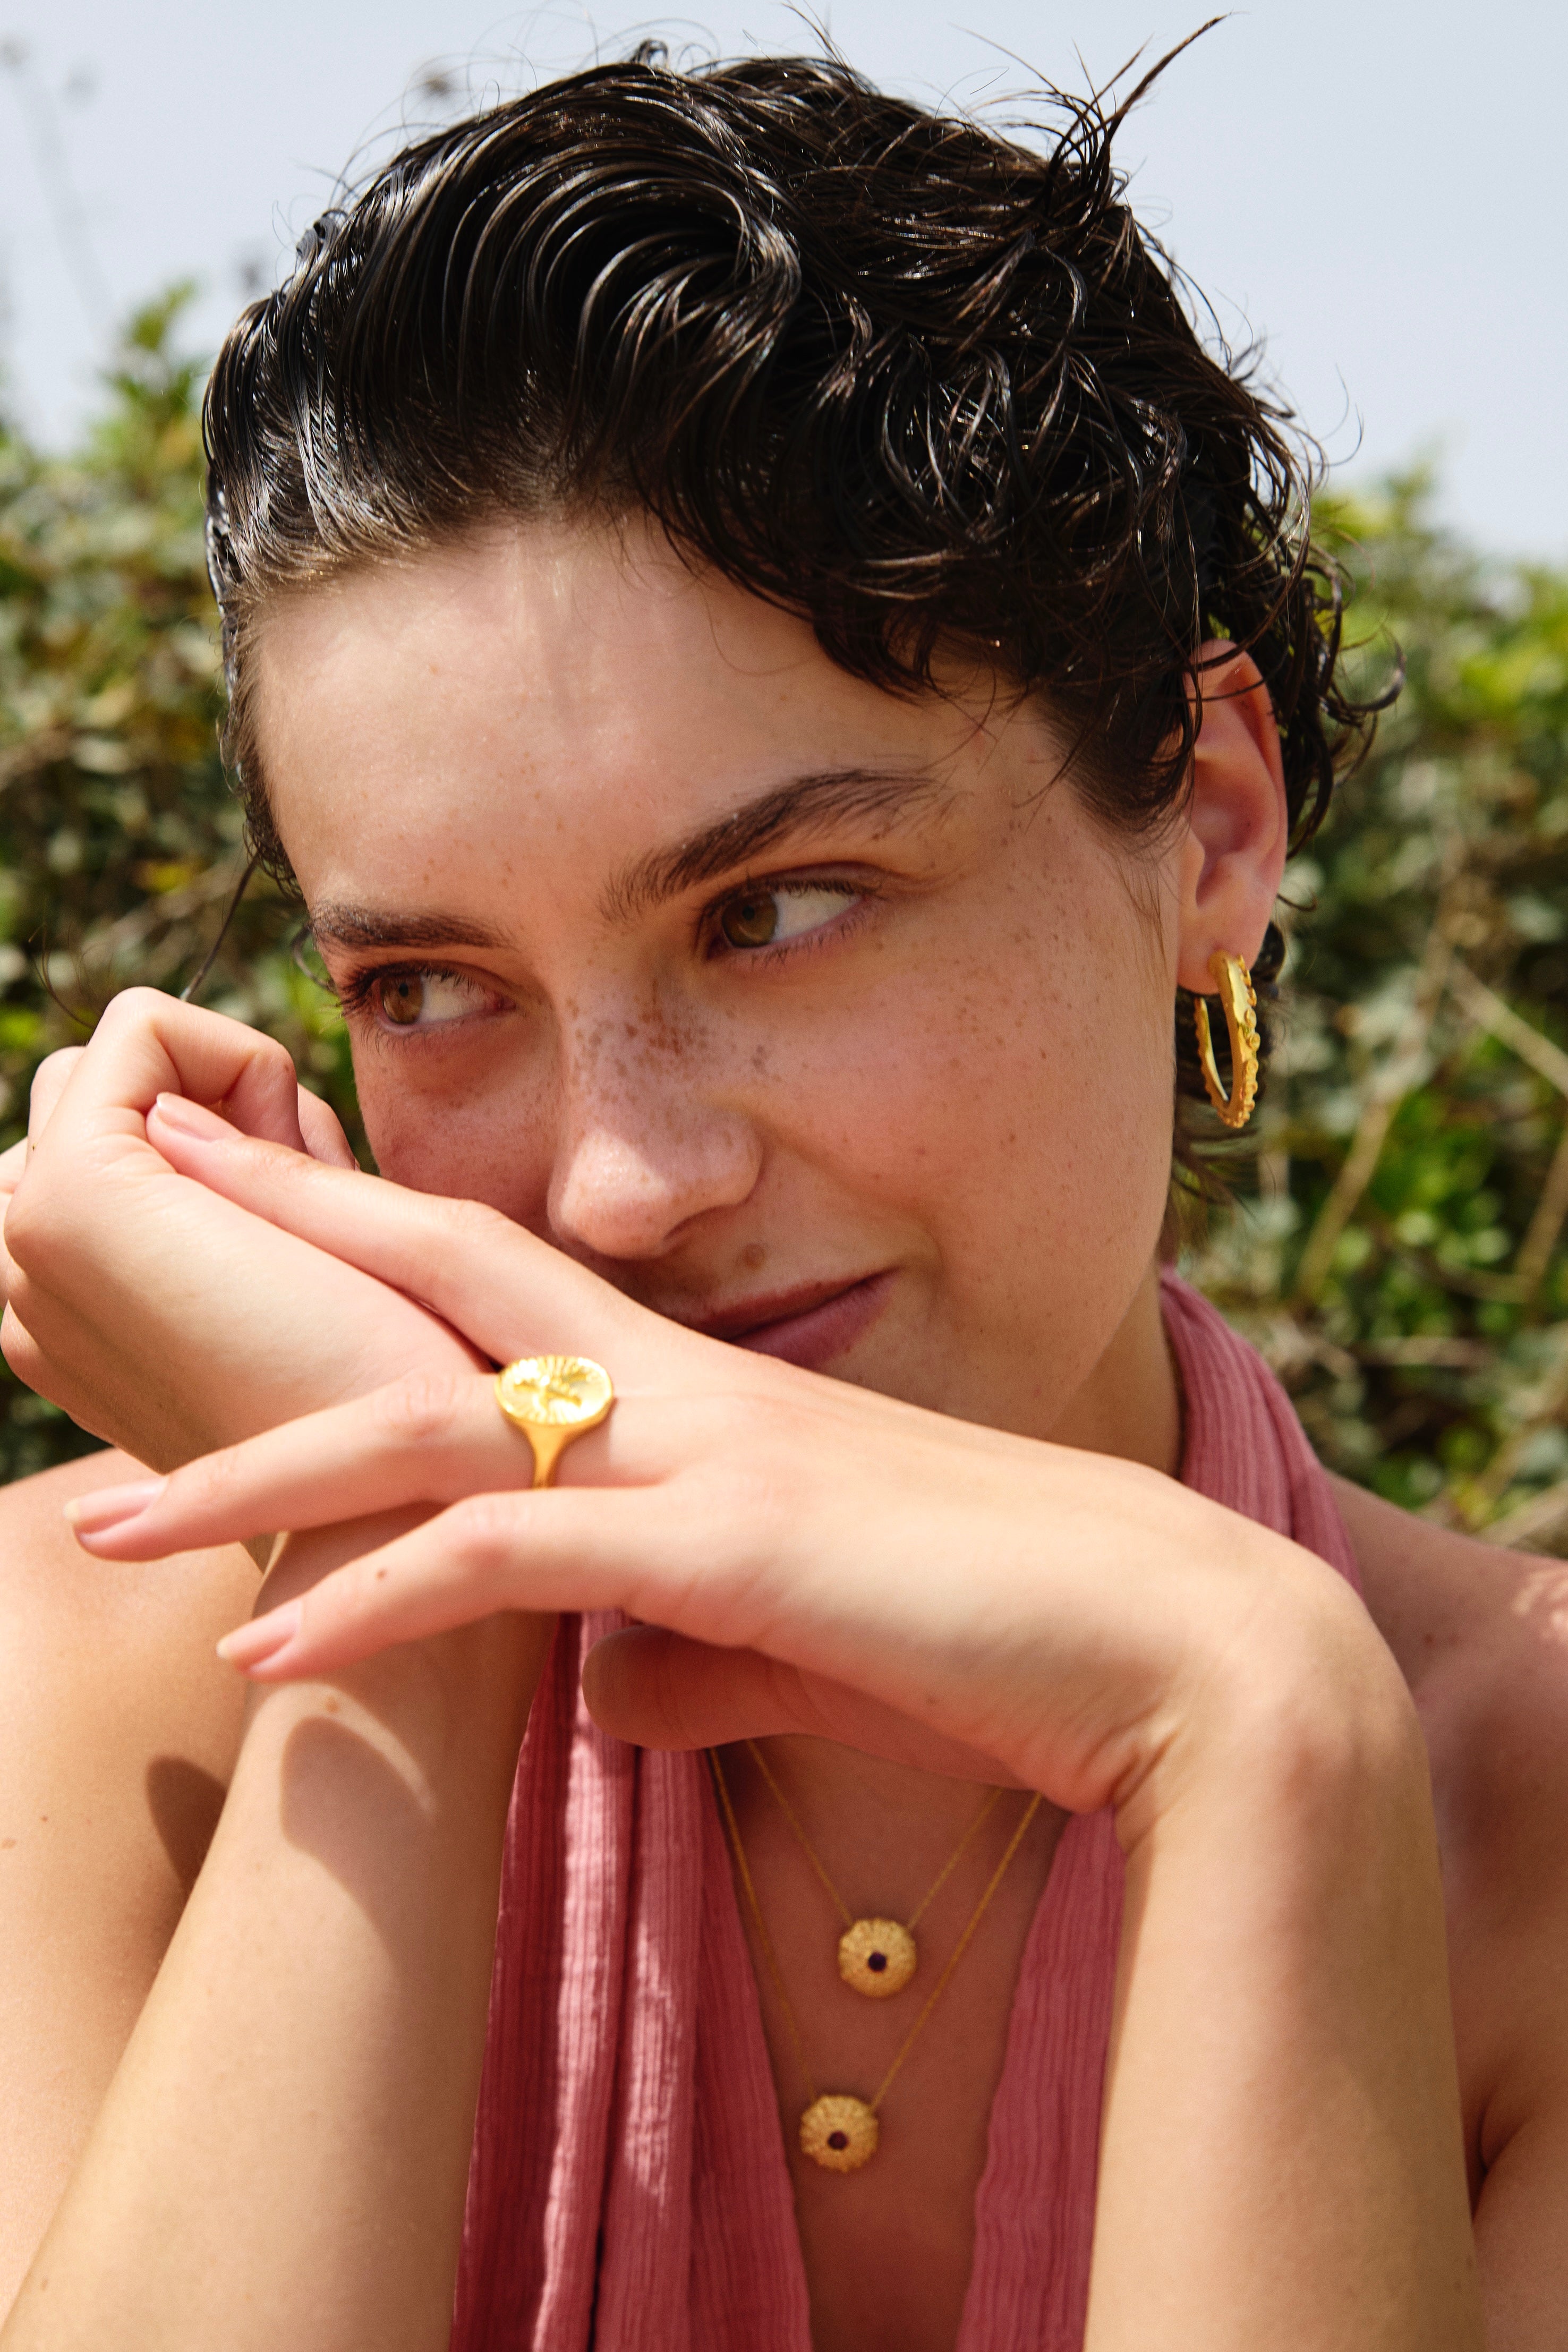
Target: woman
{"type": "Point", "coordinates": [777, 663]}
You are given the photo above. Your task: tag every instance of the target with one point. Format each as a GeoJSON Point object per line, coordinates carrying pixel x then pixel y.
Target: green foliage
{"type": "Point", "coordinates": [119, 842]}
{"type": "Point", "coordinates": [1396, 1247]}
{"type": "Point", "coordinates": [1400, 1259]}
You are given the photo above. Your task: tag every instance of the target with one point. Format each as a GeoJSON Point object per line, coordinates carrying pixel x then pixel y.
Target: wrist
{"type": "Point", "coordinates": [458, 1699]}
{"type": "Point", "coordinates": [1303, 1725]}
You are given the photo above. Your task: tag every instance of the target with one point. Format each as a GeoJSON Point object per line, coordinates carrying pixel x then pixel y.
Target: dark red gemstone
{"type": "Point", "coordinates": [877, 1963]}
{"type": "Point", "coordinates": [837, 2140]}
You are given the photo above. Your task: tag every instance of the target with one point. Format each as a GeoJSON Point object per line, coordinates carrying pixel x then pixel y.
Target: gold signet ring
{"type": "Point", "coordinates": [552, 1399]}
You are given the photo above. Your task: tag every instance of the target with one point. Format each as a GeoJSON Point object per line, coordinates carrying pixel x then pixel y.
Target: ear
{"type": "Point", "coordinates": [1238, 827]}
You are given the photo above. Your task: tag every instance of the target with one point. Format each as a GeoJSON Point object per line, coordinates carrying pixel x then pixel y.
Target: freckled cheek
{"type": "Point", "coordinates": [470, 1143]}
{"type": "Point", "coordinates": [966, 1095]}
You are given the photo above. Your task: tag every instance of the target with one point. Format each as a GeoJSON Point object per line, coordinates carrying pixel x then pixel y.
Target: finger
{"type": "Point", "coordinates": [148, 1043]}
{"type": "Point", "coordinates": [12, 1164]}
{"type": "Point", "coordinates": [506, 1290]}
{"type": "Point", "coordinates": [487, 1553]}
{"type": "Point", "coordinates": [159, 1314]}
{"type": "Point", "coordinates": [323, 1131]}
{"type": "Point", "coordinates": [431, 1437]}
{"type": "Point", "coordinates": [658, 1689]}
{"type": "Point", "coordinates": [49, 1080]}
{"type": "Point", "coordinates": [602, 1548]}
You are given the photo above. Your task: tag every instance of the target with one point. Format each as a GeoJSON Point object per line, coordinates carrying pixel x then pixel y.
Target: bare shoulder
{"type": "Point", "coordinates": [1482, 1635]}
{"type": "Point", "coordinates": [1475, 1629]}
{"type": "Point", "coordinates": [118, 1732]}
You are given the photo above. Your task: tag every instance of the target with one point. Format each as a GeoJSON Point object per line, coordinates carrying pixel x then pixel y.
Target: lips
{"type": "Point", "coordinates": [810, 1325]}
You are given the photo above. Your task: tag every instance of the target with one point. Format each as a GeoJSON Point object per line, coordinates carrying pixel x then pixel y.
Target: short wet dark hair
{"type": "Point", "coordinates": [923, 383]}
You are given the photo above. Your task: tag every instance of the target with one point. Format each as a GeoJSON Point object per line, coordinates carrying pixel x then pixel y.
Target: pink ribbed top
{"type": "Point", "coordinates": [629, 2189]}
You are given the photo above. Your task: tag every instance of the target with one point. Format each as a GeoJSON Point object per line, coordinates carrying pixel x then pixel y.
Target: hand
{"type": "Point", "coordinates": [12, 1163]}
{"type": "Point", "coordinates": [805, 1555]}
{"type": "Point", "coordinates": [158, 1315]}
{"type": "Point", "coordinates": [49, 1081]}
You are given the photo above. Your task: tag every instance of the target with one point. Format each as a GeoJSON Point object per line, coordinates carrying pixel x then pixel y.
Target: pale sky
{"type": "Point", "coordinates": [1372, 185]}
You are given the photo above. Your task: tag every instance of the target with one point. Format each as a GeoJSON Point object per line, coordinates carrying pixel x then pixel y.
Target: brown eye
{"type": "Point", "coordinates": [402, 1000]}
{"type": "Point", "coordinates": [425, 1000]}
{"type": "Point", "coordinates": [785, 911]}
{"type": "Point", "coordinates": [751, 922]}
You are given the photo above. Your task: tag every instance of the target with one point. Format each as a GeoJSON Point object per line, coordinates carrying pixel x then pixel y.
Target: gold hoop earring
{"type": "Point", "coordinates": [1238, 1001]}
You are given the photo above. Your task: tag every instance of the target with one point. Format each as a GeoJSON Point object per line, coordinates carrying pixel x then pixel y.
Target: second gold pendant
{"type": "Point", "coordinates": [839, 2130]}
{"type": "Point", "coordinates": [876, 1956]}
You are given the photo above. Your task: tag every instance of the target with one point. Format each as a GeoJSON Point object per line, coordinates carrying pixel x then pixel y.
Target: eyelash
{"type": "Point", "coordinates": [858, 899]}
{"type": "Point", "coordinates": [356, 992]}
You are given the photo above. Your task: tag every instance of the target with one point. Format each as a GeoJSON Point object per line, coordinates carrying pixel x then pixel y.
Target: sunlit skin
{"type": "Point", "coordinates": [830, 1023]}
{"type": "Point", "coordinates": [718, 1129]}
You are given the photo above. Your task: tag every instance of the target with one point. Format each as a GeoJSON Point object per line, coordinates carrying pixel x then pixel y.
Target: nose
{"type": "Point", "coordinates": [639, 1164]}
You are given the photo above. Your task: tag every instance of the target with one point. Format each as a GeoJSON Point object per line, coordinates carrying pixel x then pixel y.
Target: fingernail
{"type": "Point", "coordinates": [94, 1515]}
{"type": "Point", "coordinates": [194, 1119]}
{"type": "Point", "coordinates": [263, 1640]}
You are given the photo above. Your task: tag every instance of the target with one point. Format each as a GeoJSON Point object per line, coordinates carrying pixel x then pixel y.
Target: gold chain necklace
{"type": "Point", "coordinates": [838, 2130]}
{"type": "Point", "coordinates": [875, 1957]}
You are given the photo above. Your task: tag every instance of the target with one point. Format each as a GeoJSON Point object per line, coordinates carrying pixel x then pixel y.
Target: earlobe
{"type": "Point", "coordinates": [1238, 820]}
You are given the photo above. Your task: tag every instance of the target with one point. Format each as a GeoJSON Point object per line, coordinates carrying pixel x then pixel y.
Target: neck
{"type": "Point", "coordinates": [1130, 1404]}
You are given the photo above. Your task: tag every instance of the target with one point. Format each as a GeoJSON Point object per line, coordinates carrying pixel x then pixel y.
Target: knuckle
{"type": "Point", "coordinates": [210, 1484]}
{"type": "Point", "coordinates": [32, 1227]}
{"type": "Point", "coordinates": [137, 1008]}
{"type": "Point", "coordinates": [422, 1409]}
{"type": "Point", "coordinates": [484, 1531]}
{"type": "Point", "coordinates": [745, 1490]}
{"type": "Point", "coordinates": [17, 1347]}
{"type": "Point", "coordinates": [52, 1069]}
{"type": "Point", "coordinates": [135, 1003]}
{"type": "Point", "coordinates": [472, 1222]}
{"type": "Point", "coordinates": [748, 1464]}
{"type": "Point", "coordinates": [269, 1067]}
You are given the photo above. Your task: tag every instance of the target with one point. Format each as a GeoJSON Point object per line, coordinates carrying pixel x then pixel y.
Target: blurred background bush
{"type": "Point", "coordinates": [1395, 1247]}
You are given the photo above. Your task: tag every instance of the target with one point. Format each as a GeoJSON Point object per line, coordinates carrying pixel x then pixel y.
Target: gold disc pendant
{"type": "Point", "coordinates": [876, 1956]}
{"type": "Point", "coordinates": [838, 2132]}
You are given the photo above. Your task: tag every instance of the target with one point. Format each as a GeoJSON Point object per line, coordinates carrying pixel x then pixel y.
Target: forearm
{"type": "Point", "coordinates": [1282, 2165]}
{"type": "Point", "coordinates": [280, 2163]}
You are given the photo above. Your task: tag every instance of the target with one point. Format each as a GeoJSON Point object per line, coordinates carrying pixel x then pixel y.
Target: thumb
{"type": "Point", "coordinates": [323, 1131]}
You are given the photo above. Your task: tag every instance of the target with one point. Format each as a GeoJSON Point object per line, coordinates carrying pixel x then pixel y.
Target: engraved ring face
{"type": "Point", "coordinates": [567, 1393]}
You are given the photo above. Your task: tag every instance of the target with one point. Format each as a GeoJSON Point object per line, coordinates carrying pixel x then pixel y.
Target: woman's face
{"type": "Point", "coordinates": [817, 1018]}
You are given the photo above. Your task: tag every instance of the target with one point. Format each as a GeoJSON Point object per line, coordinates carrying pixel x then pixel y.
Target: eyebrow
{"type": "Point", "coordinates": [740, 835]}
{"type": "Point", "coordinates": [759, 825]}
{"type": "Point", "coordinates": [370, 927]}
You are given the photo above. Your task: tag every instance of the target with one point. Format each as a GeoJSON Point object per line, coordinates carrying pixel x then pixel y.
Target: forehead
{"type": "Point", "coordinates": [556, 685]}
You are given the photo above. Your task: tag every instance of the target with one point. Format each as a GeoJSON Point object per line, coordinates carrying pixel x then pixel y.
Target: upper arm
{"type": "Point", "coordinates": [1509, 1941]}
{"type": "Point", "coordinates": [118, 1732]}
{"type": "Point", "coordinates": [1482, 1635]}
